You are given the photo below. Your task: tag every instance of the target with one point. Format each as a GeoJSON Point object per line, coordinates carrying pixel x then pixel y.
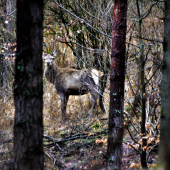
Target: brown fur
{"type": "Point", "coordinates": [69, 81]}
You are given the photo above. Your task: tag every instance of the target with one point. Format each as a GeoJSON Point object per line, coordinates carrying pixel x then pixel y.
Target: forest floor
{"type": "Point", "coordinates": [78, 143]}
{"type": "Point", "coordinates": [84, 146]}
{"type": "Point", "coordinates": [88, 150]}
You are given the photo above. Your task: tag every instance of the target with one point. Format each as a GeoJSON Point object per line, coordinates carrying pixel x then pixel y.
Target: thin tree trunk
{"type": "Point", "coordinates": [143, 120]}
{"type": "Point", "coordinates": [28, 89]}
{"type": "Point", "coordinates": [164, 151]}
{"type": "Point", "coordinates": [142, 78]}
{"type": "Point", "coordinates": [117, 77]}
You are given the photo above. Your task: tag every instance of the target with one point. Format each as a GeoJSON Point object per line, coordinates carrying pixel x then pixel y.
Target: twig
{"type": "Point", "coordinates": [132, 147]}
{"type": "Point", "coordinates": [82, 20]}
{"type": "Point", "coordinates": [56, 162]}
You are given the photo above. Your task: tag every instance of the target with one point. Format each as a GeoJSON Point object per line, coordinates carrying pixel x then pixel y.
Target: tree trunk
{"type": "Point", "coordinates": [28, 89]}
{"type": "Point", "coordinates": [142, 79]}
{"type": "Point", "coordinates": [117, 77]}
{"type": "Point", "coordinates": [164, 152]}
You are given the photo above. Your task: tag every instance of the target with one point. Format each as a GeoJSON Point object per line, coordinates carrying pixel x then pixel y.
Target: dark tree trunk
{"type": "Point", "coordinates": [164, 153]}
{"type": "Point", "coordinates": [117, 77]}
{"type": "Point", "coordinates": [28, 88]}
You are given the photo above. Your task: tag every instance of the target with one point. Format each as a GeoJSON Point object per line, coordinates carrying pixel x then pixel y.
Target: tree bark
{"type": "Point", "coordinates": [28, 88]}
{"type": "Point", "coordinates": [164, 151]}
{"type": "Point", "coordinates": [139, 4]}
{"type": "Point", "coordinates": [117, 77]}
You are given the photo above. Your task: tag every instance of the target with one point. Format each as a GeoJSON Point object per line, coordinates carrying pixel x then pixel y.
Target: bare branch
{"type": "Point", "coordinates": [82, 20]}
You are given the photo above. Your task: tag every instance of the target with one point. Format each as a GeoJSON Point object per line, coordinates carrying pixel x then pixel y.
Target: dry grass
{"type": "Point", "coordinates": [6, 129]}
{"type": "Point", "coordinates": [6, 115]}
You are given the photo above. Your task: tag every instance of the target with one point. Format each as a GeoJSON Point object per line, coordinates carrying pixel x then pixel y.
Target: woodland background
{"type": "Point", "coordinates": [81, 32]}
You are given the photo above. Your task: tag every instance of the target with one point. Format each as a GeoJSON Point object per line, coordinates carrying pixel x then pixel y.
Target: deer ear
{"type": "Point", "coordinates": [52, 56]}
{"type": "Point", "coordinates": [55, 53]}
{"type": "Point", "coordinates": [44, 56]}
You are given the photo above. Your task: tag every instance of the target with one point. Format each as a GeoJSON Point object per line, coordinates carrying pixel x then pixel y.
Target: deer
{"type": "Point", "coordinates": [69, 81]}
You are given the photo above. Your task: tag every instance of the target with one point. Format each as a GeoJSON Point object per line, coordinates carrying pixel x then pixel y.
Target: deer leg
{"type": "Point", "coordinates": [64, 100]}
{"type": "Point", "coordinates": [94, 101]}
{"type": "Point", "coordinates": [94, 95]}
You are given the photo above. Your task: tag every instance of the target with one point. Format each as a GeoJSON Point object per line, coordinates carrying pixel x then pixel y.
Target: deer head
{"type": "Point", "coordinates": [48, 58]}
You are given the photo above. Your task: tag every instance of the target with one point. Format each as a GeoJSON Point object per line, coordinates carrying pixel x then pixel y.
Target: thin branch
{"type": "Point", "coordinates": [147, 12]}
{"type": "Point", "coordinates": [81, 19]}
{"type": "Point", "coordinates": [152, 40]}
{"type": "Point", "coordinates": [132, 146]}
{"type": "Point", "coordinates": [154, 73]}
{"type": "Point", "coordinates": [9, 14]}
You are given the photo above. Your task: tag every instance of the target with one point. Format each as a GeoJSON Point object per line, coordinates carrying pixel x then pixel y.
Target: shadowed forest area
{"type": "Point", "coordinates": [79, 33]}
